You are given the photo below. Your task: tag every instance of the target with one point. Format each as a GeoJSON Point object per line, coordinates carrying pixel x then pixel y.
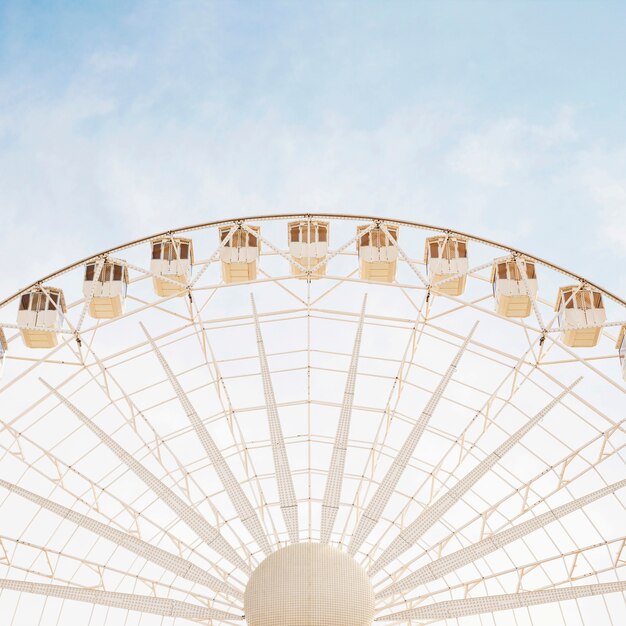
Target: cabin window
{"type": "Point", "coordinates": [530, 270]}
{"type": "Point", "coordinates": [238, 239]}
{"type": "Point", "coordinates": [462, 249]}
{"type": "Point", "coordinates": [156, 250]}
{"type": "Point", "coordinates": [24, 300]}
{"type": "Point", "coordinates": [365, 239]}
{"type": "Point", "coordinates": [252, 241]}
{"type": "Point", "coordinates": [294, 234]}
{"type": "Point", "coordinates": [322, 233]}
{"type": "Point", "coordinates": [378, 238]}
{"type": "Point", "coordinates": [37, 301]}
{"type": "Point", "coordinates": [53, 301]}
{"type": "Point", "coordinates": [502, 271]}
{"type": "Point", "coordinates": [433, 250]}
{"type": "Point", "coordinates": [597, 300]}
{"type": "Point", "coordinates": [117, 272]}
{"type": "Point", "coordinates": [89, 271]}
{"type": "Point", "coordinates": [567, 299]}
{"type": "Point", "coordinates": [184, 250]}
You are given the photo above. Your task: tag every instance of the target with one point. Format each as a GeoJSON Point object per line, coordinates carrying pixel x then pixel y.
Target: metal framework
{"type": "Point", "coordinates": [472, 464]}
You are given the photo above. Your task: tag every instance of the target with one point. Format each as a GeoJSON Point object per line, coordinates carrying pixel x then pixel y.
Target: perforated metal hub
{"type": "Point", "coordinates": [309, 584]}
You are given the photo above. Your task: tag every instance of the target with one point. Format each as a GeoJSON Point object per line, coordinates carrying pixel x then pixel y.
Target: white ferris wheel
{"type": "Point", "coordinates": [312, 420]}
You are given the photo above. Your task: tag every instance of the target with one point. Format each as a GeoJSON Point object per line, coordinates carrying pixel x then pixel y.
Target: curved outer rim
{"type": "Point", "coordinates": [346, 216]}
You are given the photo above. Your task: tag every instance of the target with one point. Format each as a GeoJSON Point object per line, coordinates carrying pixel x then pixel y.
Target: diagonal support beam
{"type": "Point", "coordinates": [465, 556]}
{"type": "Point", "coordinates": [286, 490]}
{"type": "Point", "coordinates": [240, 502]}
{"type": "Point", "coordinates": [128, 601]}
{"type": "Point", "coordinates": [372, 514]}
{"type": "Point", "coordinates": [429, 516]}
{"type": "Point", "coordinates": [334, 481]}
{"type": "Point", "coordinates": [451, 609]}
{"type": "Point", "coordinates": [210, 535]}
{"type": "Point", "coordinates": [145, 550]}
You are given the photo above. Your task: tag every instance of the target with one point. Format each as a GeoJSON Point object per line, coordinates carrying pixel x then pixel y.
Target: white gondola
{"type": "Point", "coordinates": [621, 348]}
{"type": "Point", "coordinates": [40, 316]}
{"type": "Point", "coordinates": [172, 260]}
{"type": "Point", "coordinates": [514, 292]}
{"type": "Point", "coordinates": [580, 306]}
{"type": "Point", "coordinates": [308, 245]}
{"type": "Point", "coordinates": [378, 256]}
{"type": "Point", "coordinates": [240, 254]}
{"type": "Point", "coordinates": [108, 289]}
{"type": "Point", "coordinates": [446, 257]}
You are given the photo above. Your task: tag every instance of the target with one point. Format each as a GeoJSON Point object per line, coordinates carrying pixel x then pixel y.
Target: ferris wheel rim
{"type": "Point", "coordinates": [317, 215]}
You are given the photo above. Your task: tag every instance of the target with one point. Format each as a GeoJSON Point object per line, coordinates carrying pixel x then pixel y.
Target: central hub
{"type": "Point", "coordinates": [309, 584]}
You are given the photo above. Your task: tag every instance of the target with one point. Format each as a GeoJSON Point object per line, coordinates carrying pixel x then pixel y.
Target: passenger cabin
{"type": "Point", "coordinates": [378, 256]}
{"type": "Point", "coordinates": [172, 260]}
{"type": "Point", "coordinates": [240, 254]}
{"type": "Point", "coordinates": [40, 316]}
{"type": "Point", "coordinates": [107, 290]}
{"type": "Point", "coordinates": [446, 260]}
{"type": "Point", "coordinates": [621, 347]}
{"type": "Point", "coordinates": [580, 306]}
{"type": "Point", "coordinates": [308, 246]}
{"type": "Point", "coordinates": [514, 286]}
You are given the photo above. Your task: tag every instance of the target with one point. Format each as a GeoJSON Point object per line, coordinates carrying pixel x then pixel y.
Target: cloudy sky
{"type": "Point", "coordinates": [119, 119]}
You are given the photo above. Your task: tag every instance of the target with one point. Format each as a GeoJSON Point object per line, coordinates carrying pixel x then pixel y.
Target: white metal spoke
{"type": "Point", "coordinates": [210, 535]}
{"type": "Point", "coordinates": [238, 498]}
{"type": "Point", "coordinates": [451, 609]}
{"type": "Point", "coordinates": [129, 601]}
{"type": "Point", "coordinates": [332, 493]}
{"type": "Point", "coordinates": [455, 560]}
{"type": "Point", "coordinates": [286, 490]}
{"type": "Point", "coordinates": [431, 514]}
{"type": "Point", "coordinates": [144, 549]}
{"type": "Point", "coordinates": [371, 515]}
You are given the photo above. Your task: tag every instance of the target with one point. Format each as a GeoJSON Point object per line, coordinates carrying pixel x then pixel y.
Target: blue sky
{"type": "Point", "coordinates": [506, 119]}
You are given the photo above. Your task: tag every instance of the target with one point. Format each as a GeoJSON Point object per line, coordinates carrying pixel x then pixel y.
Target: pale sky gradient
{"type": "Point", "coordinates": [506, 119]}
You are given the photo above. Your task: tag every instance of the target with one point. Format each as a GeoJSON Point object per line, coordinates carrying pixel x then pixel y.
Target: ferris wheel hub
{"type": "Point", "coordinates": [309, 584]}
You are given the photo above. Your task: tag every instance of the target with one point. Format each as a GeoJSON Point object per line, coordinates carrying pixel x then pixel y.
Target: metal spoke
{"type": "Point", "coordinates": [450, 609]}
{"type": "Point", "coordinates": [432, 513]}
{"type": "Point", "coordinates": [128, 601]}
{"type": "Point", "coordinates": [238, 498]}
{"type": "Point", "coordinates": [334, 481]}
{"type": "Point", "coordinates": [455, 560]}
{"type": "Point", "coordinates": [371, 515]}
{"type": "Point", "coordinates": [210, 535]}
{"type": "Point", "coordinates": [286, 490]}
{"type": "Point", "coordinates": [163, 558]}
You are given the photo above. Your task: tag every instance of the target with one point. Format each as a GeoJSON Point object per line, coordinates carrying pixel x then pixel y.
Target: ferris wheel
{"type": "Point", "coordinates": [312, 420]}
